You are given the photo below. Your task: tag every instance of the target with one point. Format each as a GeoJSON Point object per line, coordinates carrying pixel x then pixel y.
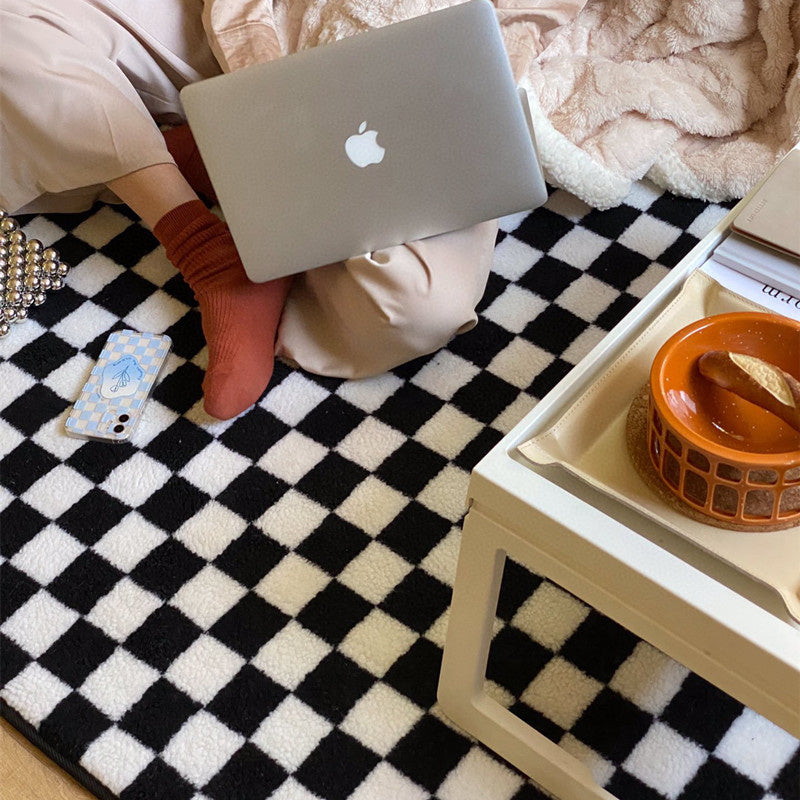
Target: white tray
{"type": "Point", "coordinates": [589, 441]}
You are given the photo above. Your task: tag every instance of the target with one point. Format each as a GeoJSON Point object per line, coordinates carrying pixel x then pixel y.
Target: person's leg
{"type": "Point", "coordinates": [239, 318]}
{"type": "Point", "coordinates": [67, 131]}
{"type": "Point", "coordinates": [183, 148]}
{"type": "Point", "coordinates": [75, 126]}
{"type": "Point", "coordinates": [374, 312]}
{"type": "Point", "coordinates": [95, 131]}
{"type": "Point", "coordinates": [153, 191]}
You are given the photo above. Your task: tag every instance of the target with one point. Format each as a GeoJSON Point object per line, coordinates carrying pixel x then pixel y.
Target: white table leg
{"type": "Point", "coordinates": [461, 693]}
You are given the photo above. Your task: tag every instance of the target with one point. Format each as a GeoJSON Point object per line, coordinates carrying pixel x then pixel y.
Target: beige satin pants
{"type": "Point", "coordinates": [84, 85]}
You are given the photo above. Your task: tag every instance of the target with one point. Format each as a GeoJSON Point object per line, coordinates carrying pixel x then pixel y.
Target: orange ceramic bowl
{"type": "Point", "coordinates": [723, 455]}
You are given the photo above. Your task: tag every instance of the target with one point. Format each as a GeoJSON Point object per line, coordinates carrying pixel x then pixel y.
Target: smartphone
{"type": "Point", "coordinates": [110, 405]}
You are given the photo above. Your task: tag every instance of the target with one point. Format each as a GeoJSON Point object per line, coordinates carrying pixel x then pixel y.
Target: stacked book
{"type": "Point", "coordinates": [764, 243]}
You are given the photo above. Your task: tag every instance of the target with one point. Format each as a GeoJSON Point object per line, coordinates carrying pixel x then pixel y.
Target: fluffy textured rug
{"type": "Point", "coordinates": [257, 608]}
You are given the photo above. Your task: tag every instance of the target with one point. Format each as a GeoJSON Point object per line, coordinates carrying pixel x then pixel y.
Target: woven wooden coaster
{"type": "Point", "coordinates": [636, 440]}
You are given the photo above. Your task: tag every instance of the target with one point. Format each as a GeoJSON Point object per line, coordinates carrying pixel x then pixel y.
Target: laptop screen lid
{"type": "Point", "coordinates": [388, 136]}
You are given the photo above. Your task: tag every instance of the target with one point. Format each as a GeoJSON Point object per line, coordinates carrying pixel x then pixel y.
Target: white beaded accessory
{"type": "Point", "coordinates": [28, 270]}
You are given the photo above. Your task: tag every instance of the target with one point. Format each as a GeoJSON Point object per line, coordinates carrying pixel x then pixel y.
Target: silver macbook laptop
{"type": "Point", "coordinates": [396, 134]}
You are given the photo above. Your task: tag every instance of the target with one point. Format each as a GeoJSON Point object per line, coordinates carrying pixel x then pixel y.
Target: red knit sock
{"type": "Point", "coordinates": [183, 149]}
{"type": "Point", "coordinates": [240, 318]}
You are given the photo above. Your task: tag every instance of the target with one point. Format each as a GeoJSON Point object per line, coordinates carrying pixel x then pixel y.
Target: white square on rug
{"type": "Point", "coordinates": [479, 776]}
{"type": "Point", "coordinates": [120, 612]}
{"type": "Point", "coordinates": [116, 757]}
{"type": "Point", "coordinates": [293, 398]}
{"type": "Point", "coordinates": [649, 678]}
{"type": "Point", "coordinates": [292, 457]}
{"type": "Point", "coordinates": [291, 733]}
{"type": "Point", "coordinates": [665, 760]}
{"type": "Point", "coordinates": [370, 443]}
{"type": "Point", "coordinates": [386, 782]}
{"type": "Point", "coordinates": [118, 683]}
{"type": "Point", "coordinates": [375, 572]}
{"type": "Point", "coordinates": [39, 623]}
{"type": "Point", "coordinates": [381, 718]}
{"type": "Point", "coordinates": [291, 654]}
{"type": "Point", "coordinates": [204, 668]}
{"type": "Point", "coordinates": [136, 479]}
{"type": "Point", "coordinates": [756, 747]}
{"type": "Point", "coordinates": [445, 374]}
{"type": "Point", "coordinates": [129, 541]}
{"type": "Point", "coordinates": [579, 248]}
{"type": "Point", "coordinates": [214, 467]}
{"type": "Point", "coordinates": [292, 583]}
{"type": "Point", "coordinates": [210, 530]}
{"type": "Point", "coordinates": [372, 505]}
{"type": "Point", "coordinates": [35, 692]}
{"type": "Point", "coordinates": [292, 518]}
{"type": "Point", "coordinates": [207, 596]}
{"type": "Point", "coordinates": [377, 642]}
{"type": "Point", "coordinates": [201, 748]}
{"type": "Point", "coordinates": [48, 554]}
{"type": "Point", "coordinates": [561, 692]}
{"type": "Point", "coordinates": [57, 491]}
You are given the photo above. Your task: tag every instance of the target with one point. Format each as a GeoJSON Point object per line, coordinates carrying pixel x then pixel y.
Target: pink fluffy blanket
{"type": "Point", "coordinates": [700, 96]}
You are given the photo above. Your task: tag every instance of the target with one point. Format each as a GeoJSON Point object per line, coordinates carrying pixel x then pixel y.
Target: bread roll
{"type": "Point", "coordinates": [758, 381]}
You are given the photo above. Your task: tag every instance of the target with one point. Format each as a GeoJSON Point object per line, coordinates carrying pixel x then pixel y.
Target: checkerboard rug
{"type": "Point", "coordinates": [257, 608]}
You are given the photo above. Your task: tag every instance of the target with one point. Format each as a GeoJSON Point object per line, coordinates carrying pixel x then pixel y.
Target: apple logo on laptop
{"type": "Point", "coordinates": [362, 148]}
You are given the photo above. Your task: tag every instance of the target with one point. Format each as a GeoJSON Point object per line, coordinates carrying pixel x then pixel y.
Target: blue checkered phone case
{"type": "Point", "coordinates": [110, 404]}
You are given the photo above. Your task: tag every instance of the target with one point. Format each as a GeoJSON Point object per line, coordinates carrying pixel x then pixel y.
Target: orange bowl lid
{"type": "Point", "coordinates": [714, 418]}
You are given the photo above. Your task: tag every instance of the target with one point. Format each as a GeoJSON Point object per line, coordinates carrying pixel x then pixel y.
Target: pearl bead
{"type": "Point", "coordinates": [27, 271]}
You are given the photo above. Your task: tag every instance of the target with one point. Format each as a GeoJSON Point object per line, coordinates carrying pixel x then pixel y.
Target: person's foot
{"type": "Point", "coordinates": [183, 148]}
{"type": "Point", "coordinates": [240, 318]}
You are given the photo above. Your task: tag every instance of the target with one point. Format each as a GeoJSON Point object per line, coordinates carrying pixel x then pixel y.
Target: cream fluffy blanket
{"type": "Point", "coordinates": [700, 96]}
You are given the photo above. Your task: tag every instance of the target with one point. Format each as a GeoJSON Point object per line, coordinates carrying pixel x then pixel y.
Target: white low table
{"type": "Point", "coordinates": [721, 624]}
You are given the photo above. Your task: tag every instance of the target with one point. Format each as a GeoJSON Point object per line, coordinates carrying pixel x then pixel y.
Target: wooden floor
{"type": "Point", "coordinates": [27, 774]}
